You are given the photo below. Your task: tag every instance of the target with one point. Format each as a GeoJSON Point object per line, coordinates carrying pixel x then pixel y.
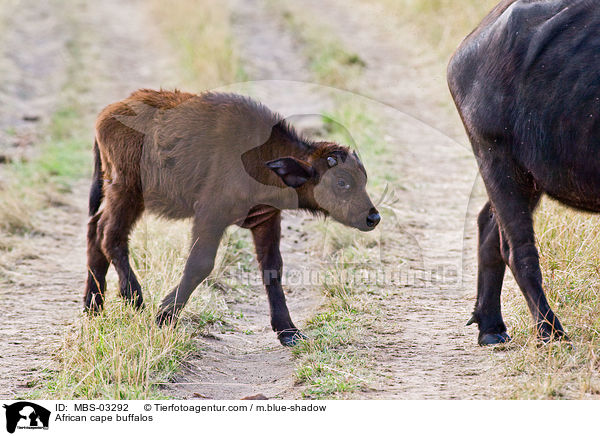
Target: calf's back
{"type": "Point", "coordinates": [178, 149]}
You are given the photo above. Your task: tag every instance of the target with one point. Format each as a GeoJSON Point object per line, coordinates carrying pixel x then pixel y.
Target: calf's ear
{"type": "Point", "coordinates": [292, 171]}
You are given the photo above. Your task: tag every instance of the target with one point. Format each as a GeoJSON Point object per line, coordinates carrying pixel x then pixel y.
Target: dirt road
{"type": "Point", "coordinates": [433, 355]}
{"type": "Point", "coordinates": [429, 355]}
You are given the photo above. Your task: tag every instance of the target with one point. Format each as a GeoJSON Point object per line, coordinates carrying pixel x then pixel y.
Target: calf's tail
{"type": "Point", "coordinates": [96, 191]}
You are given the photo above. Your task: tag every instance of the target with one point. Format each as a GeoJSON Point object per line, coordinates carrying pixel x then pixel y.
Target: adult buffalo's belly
{"type": "Point", "coordinates": [560, 149]}
{"type": "Point", "coordinates": [586, 199]}
{"type": "Point", "coordinates": [575, 184]}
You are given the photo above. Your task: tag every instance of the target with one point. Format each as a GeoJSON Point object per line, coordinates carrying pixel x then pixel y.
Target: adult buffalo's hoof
{"type": "Point", "coordinates": [291, 338]}
{"type": "Point", "coordinates": [165, 317]}
{"type": "Point", "coordinates": [550, 329]}
{"type": "Point", "coordinates": [493, 339]}
{"type": "Point", "coordinates": [553, 335]}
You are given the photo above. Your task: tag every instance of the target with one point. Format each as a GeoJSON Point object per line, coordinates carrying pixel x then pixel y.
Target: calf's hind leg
{"type": "Point", "coordinates": [97, 268]}
{"type": "Point", "coordinates": [123, 208]}
{"type": "Point", "coordinates": [513, 196]}
{"type": "Point", "coordinates": [266, 232]}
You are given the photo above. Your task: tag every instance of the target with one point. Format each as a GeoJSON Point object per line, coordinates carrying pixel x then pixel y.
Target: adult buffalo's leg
{"type": "Point", "coordinates": [266, 231]}
{"type": "Point", "coordinates": [123, 208]}
{"type": "Point", "coordinates": [206, 235]}
{"type": "Point", "coordinates": [490, 275]}
{"type": "Point", "coordinates": [97, 265]}
{"type": "Point", "coordinates": [513, 196]}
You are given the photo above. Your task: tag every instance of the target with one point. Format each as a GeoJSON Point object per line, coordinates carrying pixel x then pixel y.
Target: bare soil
{"type": "Point", "coordinates": [33, 66]}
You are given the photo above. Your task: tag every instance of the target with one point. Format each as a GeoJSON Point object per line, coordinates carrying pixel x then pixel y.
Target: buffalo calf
{"type": "Point", "coordinates": [220, 159]}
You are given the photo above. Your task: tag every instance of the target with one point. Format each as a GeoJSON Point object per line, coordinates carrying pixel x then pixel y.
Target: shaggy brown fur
{"type": "Point", "coordinates": [222, 159]}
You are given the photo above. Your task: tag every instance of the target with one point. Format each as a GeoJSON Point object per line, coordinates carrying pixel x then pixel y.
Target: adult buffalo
{"type": "Point", "coordinates": [527, 87]}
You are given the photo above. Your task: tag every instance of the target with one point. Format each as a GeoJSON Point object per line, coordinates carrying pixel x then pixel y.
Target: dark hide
{"type": "Point", "coordinates": [527, 87]}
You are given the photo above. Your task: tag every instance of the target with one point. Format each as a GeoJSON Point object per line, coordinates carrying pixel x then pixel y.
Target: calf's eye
{"type": "Point", "coordinates": [342, 184]}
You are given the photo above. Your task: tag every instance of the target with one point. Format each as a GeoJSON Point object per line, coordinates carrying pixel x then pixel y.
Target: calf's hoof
{"type": "Point", "coordinates": [486, 339]}
{"type": "Point", "coordinates": [93, 304]}
{"type": "Point", "coordinates": [291, 338]}
{"type": "Point", "coordinates": [133, 298]}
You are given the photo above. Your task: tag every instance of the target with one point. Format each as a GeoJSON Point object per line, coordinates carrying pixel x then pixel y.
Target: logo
{"type": "Point", "coordinates": [26, 415]}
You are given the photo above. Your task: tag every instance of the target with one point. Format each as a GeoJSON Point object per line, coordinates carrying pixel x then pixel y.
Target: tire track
{"type": "Point", "coordinates": [234, 365]}
{"type": "Point", "coordinates": [433, 356]}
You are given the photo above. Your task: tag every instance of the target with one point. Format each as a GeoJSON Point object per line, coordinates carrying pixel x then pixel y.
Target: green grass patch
{"type": "Point", "coordinates": [331, 364]}
{"type": "Point", "coordinates": [336, 361]}
{"type": "Point", "coordinates": [62, 157]}
{"type": "Point", "coordinates": [119, 354]}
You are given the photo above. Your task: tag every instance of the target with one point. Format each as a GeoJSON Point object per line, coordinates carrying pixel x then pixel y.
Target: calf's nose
{"type": "Point", "coordinates": [373, 218]}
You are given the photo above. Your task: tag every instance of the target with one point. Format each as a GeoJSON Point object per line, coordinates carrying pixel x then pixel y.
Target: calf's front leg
{"type": "Point", "coordinates": [206, 235]}
{"type": "Point", "coordinates": [267, 234]}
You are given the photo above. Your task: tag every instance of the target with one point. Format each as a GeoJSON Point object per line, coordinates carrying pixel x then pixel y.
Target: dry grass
{"type": "Point", "coordinates": [330, 62]}
{"type": "Point", "coordinates": [442, 23]}
{"type": "Point", "coordinates": [122, 353]}
{"type": "Point", "coordinates": [200, 33]}
{"type": "Point", "coordinates": [569, 243]}
{"type": "Point", "coordinates": [38, 183]}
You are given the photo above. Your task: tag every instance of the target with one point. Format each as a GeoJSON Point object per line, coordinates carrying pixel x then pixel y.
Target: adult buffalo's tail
{"type": "Point", "coordinates": [96, 192]}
